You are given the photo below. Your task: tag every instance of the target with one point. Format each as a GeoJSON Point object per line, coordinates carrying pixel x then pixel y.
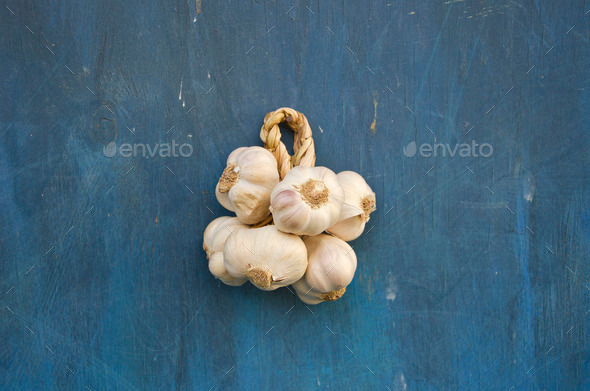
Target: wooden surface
{"type": "Point", "coordinates": [475, 272]}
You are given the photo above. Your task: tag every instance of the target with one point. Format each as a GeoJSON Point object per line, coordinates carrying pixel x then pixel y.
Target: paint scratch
{"type": "Point", "coordinates": [374, 123]}
{"type": "Point", "coordinates": [391, 293]}
{"type": "Point", "coordinates": [529, 187]}
{"type": "Point", "coordinates": [391, 289]}
{"type": "Point", "coordinates": [198, 4]}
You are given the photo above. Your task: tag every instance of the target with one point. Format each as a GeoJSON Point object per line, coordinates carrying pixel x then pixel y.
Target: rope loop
{"type": "Point", "coordinates": [303, 146]}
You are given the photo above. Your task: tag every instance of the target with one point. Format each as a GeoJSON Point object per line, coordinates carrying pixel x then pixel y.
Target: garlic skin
{"type": "Point", "coordinates": [214, 239]}
{"type": "Point", "coordinates": [330, 268]}
{"type": "Point", "coordinates": [247, 182]}
{"type": "Point", "coordinates": [359, 203]}
{"type": "Point", "coordinates": [217, 268]}
{"type": "Point", "coordinates": [307, 201]}
{"type": "Point", "coordinates": [266, 256]}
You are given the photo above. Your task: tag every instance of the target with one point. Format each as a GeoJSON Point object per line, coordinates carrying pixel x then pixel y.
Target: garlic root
{"type": "Point", "coordinates": [259, 277]}
{"type": "Point", "coordinates": [333, 295]}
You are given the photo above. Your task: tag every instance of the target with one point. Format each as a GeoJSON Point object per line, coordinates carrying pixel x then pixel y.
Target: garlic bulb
{"type": "Point", "coordinates": [246, 183]}
{"type": "Point", "coordinates": [214, 239]}
{"type": "Point", "coordinates": [330, 268]}
{"type": "Point", "coordinates": [307, 200]}
{"type": "Point", "coordinates": [359, 202]}
{"type": "Point", "coordinates": [266, 256]}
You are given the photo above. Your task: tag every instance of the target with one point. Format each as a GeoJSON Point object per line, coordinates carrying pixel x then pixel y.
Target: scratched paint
{"type": "Point", "coordinates": [474, 275]}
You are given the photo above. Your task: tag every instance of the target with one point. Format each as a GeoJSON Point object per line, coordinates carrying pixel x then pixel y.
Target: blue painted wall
{"type": "Point", "coordinates": [475, 272]}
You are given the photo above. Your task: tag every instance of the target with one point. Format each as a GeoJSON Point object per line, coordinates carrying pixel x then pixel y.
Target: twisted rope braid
{"type": "Point", "coordinates": [303, 146]}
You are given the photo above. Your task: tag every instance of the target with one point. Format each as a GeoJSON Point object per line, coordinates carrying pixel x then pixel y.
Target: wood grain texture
{"type": "Point", "coordinates": [475, 272]}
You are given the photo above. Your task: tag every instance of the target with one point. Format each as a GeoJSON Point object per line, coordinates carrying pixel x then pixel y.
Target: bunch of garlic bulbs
{"type": "Point", "coordinates": [302, 202]}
